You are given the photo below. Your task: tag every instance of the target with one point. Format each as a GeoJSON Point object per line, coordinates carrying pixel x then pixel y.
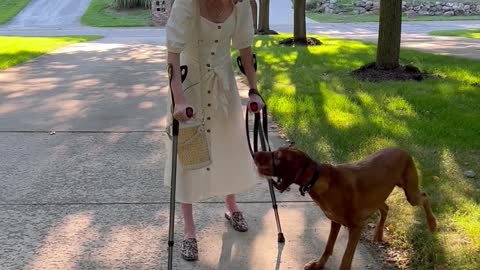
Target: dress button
{"type": "Point", "coordinates": [209, 91]}
{"type": "Point", "coordinates": [216, 41]}
{"type": "Point", "coordinates": [219, 27]}
{"type": "Point", "coordinates": [208, 130]}
{"type": "Point", "coordinates": [209, 104]}
{"type": "Point", "coordinates": [208, 169]}
{"type": "Point", "coordinates": [208, 65]}
{"type": "Point", "coordinates": [208, 118]}
{"type": "Point", "coordinates": [212, 53]}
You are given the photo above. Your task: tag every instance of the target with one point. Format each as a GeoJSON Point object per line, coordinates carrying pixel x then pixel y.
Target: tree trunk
{"type": "Point", "coordinates": [253, 5]}
{"type": "Point", "coordinates": [389, 35]}
{"type": "Point", "coordinates": [264, 21]}
{"type": "Point", "coordinates": [299, 24]}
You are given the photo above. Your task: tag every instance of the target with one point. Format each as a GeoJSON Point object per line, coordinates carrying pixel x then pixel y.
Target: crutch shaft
{"type": "Point", "coordinates": [173, 185]}
{"type": "Point", "coordinates": [281, 238]}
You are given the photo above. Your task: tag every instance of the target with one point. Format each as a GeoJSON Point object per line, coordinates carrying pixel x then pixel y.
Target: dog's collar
{"type": "Point", "coordinates": [313, 180]}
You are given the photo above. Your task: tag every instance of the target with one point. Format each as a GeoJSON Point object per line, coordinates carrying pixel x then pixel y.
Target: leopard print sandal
{"type": "Point", "coordinates": [189, 249]}
{"type": "Point", "coordinates": [237, 221]}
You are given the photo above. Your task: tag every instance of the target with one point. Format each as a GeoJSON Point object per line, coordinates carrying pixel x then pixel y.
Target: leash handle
{"type": "Point", "coordinates": [260, 123]}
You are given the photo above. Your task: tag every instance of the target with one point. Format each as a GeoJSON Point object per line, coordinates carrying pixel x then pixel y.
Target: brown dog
{"type": "Point", "coordinates": [348, 194]}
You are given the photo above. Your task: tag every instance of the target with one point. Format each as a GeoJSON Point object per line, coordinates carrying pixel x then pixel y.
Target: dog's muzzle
{"type": "Point", "coordinates": [277, 183]}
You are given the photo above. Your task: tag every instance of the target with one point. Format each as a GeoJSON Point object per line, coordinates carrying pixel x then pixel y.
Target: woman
{"type": "Point", "coordinates": [199, 35]}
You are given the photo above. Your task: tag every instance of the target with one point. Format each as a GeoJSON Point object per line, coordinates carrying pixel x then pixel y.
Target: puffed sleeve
{"type": "Point", "coordinates": [243, 35]}
{"type": "Point", "coordinates": [179, 25]}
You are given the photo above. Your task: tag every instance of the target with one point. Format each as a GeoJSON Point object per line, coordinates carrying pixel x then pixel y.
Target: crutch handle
{"type": "Point", "coordinates": [253, 107]}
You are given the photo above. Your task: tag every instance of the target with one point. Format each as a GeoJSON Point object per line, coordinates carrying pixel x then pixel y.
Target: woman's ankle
{"type": "Point", "coordinates": [231, 203]}
{"type": "Point", "coordinates": [189, 235]}
{"type": "Point", "coordinates": [189, 226]}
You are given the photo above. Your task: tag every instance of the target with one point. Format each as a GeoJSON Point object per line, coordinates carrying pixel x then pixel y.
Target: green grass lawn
{"type": "Point", "coordinates": [470, 33]}
{"type": "Point", "coordinates": [100, 14]}
{"type": "Point", "coordinates": [10, 8]}
{"type": "Point", "coordinates": [336, 118]}
{"type": "Point", "coordinates": [16, 50]}
{"type": "Point", "coordinates": [335, 18]}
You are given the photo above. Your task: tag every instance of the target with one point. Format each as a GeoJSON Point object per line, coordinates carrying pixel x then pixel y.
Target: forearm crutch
{"type": "Point", "coordinates": [260, 129]}
{"type": "Point", "coordinates": [175, 131]}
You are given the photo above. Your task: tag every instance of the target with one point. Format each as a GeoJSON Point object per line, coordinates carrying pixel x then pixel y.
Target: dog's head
{"type": "Point", "coordinates": [290, 165]}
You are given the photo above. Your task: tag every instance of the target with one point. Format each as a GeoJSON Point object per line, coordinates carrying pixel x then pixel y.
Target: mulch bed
{"type": "Point", "coordinates": [371, 73]}
{"type": "Point", "coordinates": [310, 42]}
{"type": "Point", "coordinates": [269, 32]}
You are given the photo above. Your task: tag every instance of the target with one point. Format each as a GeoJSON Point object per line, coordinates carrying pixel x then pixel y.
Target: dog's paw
{"type": "Point", "coordinates": [381, 240]}
{"type": "Point", "coordinates": [313, 265]}
{"type": "Point", "coordinates": [432, 224]}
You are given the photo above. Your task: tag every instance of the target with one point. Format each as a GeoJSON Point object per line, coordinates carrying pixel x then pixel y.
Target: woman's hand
{"type": "Point", "coordinates": [183, 112]}
{"type": "Point", "coordinates": [255, 98]}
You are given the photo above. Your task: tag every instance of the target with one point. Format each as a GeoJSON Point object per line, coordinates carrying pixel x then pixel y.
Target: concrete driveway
{"type": "Point", "coordinates": [48, 13]}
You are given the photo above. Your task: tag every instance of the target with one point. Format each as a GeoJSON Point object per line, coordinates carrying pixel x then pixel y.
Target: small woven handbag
{"type": "Point", "coordinates": [193, 149]}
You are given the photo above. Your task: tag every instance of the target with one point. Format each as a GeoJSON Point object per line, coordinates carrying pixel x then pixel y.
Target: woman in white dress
{"type": "Point", "coordinates": [200, 34]}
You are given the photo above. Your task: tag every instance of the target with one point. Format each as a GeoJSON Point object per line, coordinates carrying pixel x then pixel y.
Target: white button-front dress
{"type": "Point", "coordinates": [210, 86]}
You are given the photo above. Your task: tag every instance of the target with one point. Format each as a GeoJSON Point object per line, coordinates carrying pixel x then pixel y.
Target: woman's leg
{"type": "Point", "coordinates": [189, 244]}
{"type": "Point", "coordinates": [189, 229]}
{"type": "Point", "coordinates": [234, 215]}
{"type": "Point", "coordinates": [231, 203]}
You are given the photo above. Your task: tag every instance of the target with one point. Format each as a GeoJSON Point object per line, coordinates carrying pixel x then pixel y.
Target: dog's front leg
{"type": "Point", "coordinates": [353, 238]}
{"type": "Point", "coordinates": [320, 264]}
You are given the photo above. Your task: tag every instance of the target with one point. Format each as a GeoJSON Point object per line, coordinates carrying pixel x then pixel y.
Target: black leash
{"type": "Point", "coordinates": [260, 117]}
{"type": "Point", "coordinates": [260, 121]}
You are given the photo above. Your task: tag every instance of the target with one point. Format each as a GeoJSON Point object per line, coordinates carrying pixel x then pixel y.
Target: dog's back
{"type": "Point", "coordinates": [362, 187]}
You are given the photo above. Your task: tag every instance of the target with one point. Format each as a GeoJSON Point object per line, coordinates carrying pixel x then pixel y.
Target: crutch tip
{"type": "Point", "coordinates": [281, 238]}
